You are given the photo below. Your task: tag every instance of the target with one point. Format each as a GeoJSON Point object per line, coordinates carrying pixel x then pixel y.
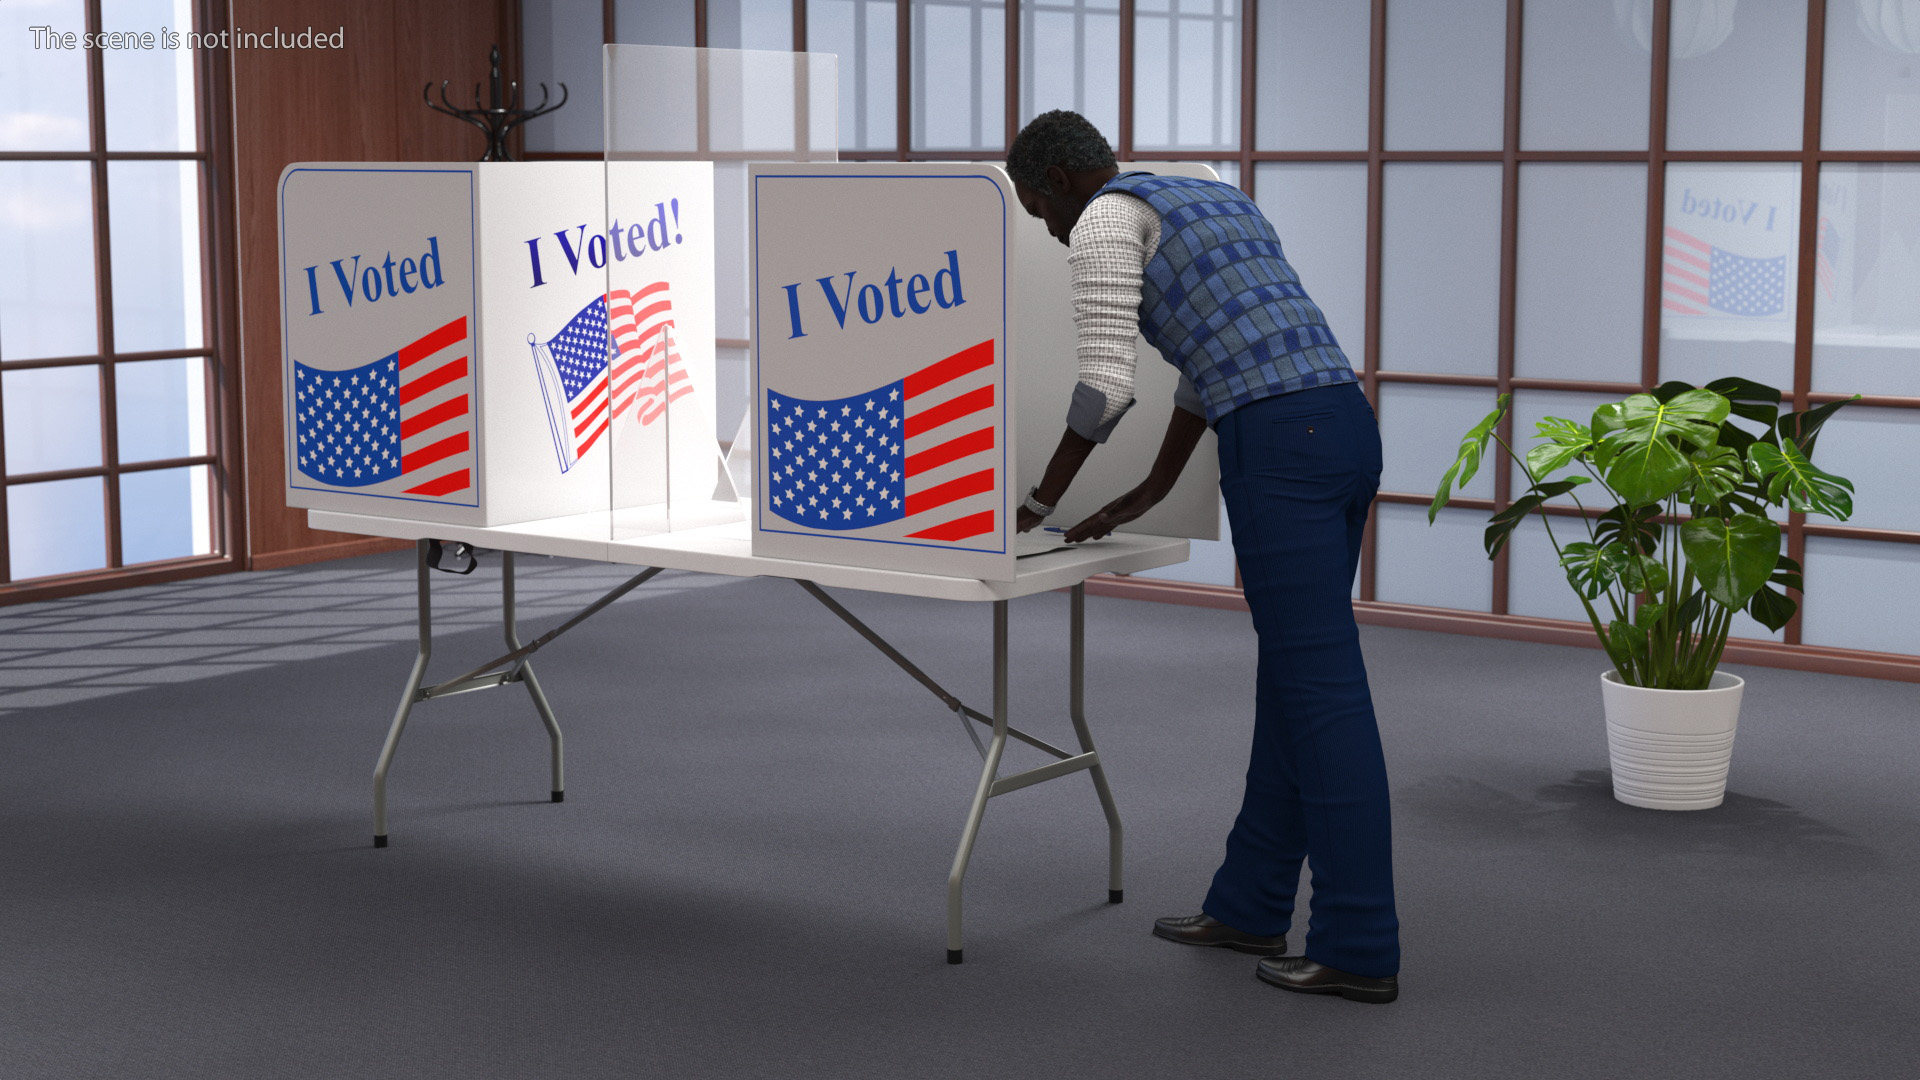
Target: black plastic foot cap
{"type": "Point", "coordinates": [380, 841]}
{"type": "Point", "coordinates": [559, 796]}
{"type": "Point", "coordinates": [953, 956]}
{"type": "Point", "coordinates": [1114, 896]}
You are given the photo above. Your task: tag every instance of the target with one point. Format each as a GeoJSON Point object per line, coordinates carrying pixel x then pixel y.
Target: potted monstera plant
{"type": "Point", "coordinates": [1693, 480]}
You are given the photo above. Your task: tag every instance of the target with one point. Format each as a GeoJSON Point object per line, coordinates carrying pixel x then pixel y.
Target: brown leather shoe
{"type": "Point", "coordinates": [1207, 930]}
{"type": "Point", "coordinates": [1303, 976]}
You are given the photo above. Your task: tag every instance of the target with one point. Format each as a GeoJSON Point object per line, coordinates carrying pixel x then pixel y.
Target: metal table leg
{"type": "Point", "coordinates": [526, 675]}
{"type": "Point", "coordinates": [407, 697]}
{"type": "Point", "coordinates": [991, 783]}
{"type": "Point", "coordinates": [989, 772]}
{"type": "Point", "coordinates": [513, 667]}
{"type": "Point", "coordinates": [1077, 699]}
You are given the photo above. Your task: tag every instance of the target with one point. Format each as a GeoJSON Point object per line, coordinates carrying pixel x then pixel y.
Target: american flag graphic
{"type": "Point", "coordinates": [917, 450]}
{"type": "Point", "coordinates": [615, 355]}
{"type": "Point", "coordinates": [406, 417]}
{"type": "Point", "coordinates": [1702, 279]}
{"type": "Point", "coordinates": [1826, 251]}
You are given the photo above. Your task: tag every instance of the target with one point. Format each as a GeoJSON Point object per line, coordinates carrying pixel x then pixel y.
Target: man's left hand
{"type": "Point", "coordinates": [1115, 514]}
{"type": "Point", "coordinates": [1026, 519]}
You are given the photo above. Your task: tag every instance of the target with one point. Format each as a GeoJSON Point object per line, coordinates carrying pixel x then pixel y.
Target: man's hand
{"type": "Point", "coordinates": [1026, 519]}
{"type": "Point", "coordinates": [1115, 514]}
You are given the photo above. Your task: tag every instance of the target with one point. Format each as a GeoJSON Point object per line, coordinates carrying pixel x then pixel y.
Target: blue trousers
{"type": "Point", "coordinates": [1299, 471]}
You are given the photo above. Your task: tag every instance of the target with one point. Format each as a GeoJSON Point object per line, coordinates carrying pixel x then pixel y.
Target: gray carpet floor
{"type": "Point", "coordinates": [748, 876]}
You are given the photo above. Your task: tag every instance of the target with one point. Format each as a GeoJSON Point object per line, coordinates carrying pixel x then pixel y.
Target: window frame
{"type": "Point", "coordinates": [218, 351]}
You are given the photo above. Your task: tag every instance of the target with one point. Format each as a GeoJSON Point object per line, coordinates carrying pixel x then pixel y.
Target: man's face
{"type": "Point", "coordinates": [1052, 209]}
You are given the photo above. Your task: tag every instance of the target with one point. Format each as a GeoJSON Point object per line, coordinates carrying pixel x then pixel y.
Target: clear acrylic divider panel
{"type": "Point", "coordinates": [682, 125]}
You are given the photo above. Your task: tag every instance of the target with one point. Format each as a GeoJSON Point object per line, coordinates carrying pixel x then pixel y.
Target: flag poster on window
{"type": "Point", "coordinates": [469, 343]}
{"type": "Point", "coordinates": [1730, 244]}
{"type": "Point", "coordinates": [881, 388]}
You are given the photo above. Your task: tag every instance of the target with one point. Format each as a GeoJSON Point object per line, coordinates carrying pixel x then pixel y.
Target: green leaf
{"type": "Point", "coordinates": [1786, 574]}
{"type": "Point", "coordinates": [1627, 642]}
{"type": "Point", "coordinates": [1592, 567]}
{"type": "Point", "coordinates": [1670, 389]}
{"type": "Point", "coordinates": [1771, 606]}
{"type": "Point", "coordinates": [1804, 427]}
{"type": "Point", "coordinates": [1644, 574]}
{"type": "Point", "coordinates": [1650, 465]}
{"type": "Point", "coordinates": [1502, 524]}
{"type": "Point", "coordinates": [1472, 446]}
{"type": "Point", "coordinates": [1689, 612]}
{"type": "Point", "coordinates": [1732, 558]}
{"type": "Point", "coordinates": [1714, 475]}
{"type": "Point", "coordinates": [1637, 531]}
{"type": "Point", "coordinates": [1566, 442]}
{"type": "Point", "coordinates": [1648, 614]}
{"type": "Point", "coordinates": [1607, 419]}
{"type": "Point", "coordinates": [1749, 400]}
{"type": "Point", "coordinates": [1791, 478]}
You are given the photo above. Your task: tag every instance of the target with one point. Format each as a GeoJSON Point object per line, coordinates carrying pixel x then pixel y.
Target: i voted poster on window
{"type": "Point", "coordinates": [378, 321]}
{"type": "Point", "coordinates": [880, 366]}
{"type": "Point", "coordinates": [1730, 251]}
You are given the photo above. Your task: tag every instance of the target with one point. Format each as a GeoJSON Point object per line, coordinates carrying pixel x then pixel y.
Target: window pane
{"type": "Point", "coordinates": [52, 418]}
{"type": "Point", "coordinates": [747, 24]}
{"type": "Point", "coordinates": [1070, 59]}
{"type": "Point", "coordinates": [154, 209]}
{"type": "Point", "coordinates": [161, 409]}
{"type": "Point", "coordinates": [1443, 565]}
{"type": "Point", "coordinates": [1311, 74]}
{"type": "Point", "coordinates": [1446, 74]}
{"type": "Point", "coordinates": [560, 43]}
{"type": "Point", "coordinates": [862, 33]}
{"type": "Point", "coordinates": [1737, 74]}
{"type": "Point", "coordinates": [149, 91]}
{"type": "Point", "coordinates": [1420, 429]}
{"type": "Point", "coordinates": [1848, 586]}
{"type": "Point", "coordinates": [1209, 562]}
{"type": "Point", "coordinates": [1440, 268]}
{"type": "Point", "coordinates": [1580, 297]}
{"type": "Point", "coordinates": [46, 277]}
{"type": "Point", "coordinates": [43, 91]}
{"type": "Point", "coordinates": [1320, 212]}
{"type": "Point", "coordinates": [1872, 97]}
{"type": "Point", "coordinates": [164, 515]}
{"type": "Point", "coordinates": [1727, 290]}
{"type": "Point", "coordinates": [1583, 78]}
{"type": "Point", "coordinates": [650, 22]}
{"type": "Point", "coordinates": [1877, 449]}
{"type": "Point", "coordinates": [1186, 75]}
{"type": "Point", "coordinates": [56, 528]}
{"type": "Point", "coordinates": [1536, 583]}
{"type": "Point", "coordinates": [1867, 294]}
{"type": "Point", "coordinates": [959, 75]}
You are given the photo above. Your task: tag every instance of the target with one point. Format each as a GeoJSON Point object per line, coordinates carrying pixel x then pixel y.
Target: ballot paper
{"type": "Point", "coordinates": [1042, 540]}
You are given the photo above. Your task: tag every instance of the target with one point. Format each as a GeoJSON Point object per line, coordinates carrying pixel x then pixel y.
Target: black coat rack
{"type": "Point", "coordinates": [500, 116]}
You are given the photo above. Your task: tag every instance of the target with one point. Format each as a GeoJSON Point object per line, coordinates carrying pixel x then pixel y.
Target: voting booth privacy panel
{"type": "Point", "coordinates": [914, 356]}
{"type": "Point", "coordinates": [492, 343]}
{"type": "Point", "coordinates": [501, 343]}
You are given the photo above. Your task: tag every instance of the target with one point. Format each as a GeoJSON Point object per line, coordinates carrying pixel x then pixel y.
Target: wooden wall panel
{"type": "Point", "coordinates": [360, 103]}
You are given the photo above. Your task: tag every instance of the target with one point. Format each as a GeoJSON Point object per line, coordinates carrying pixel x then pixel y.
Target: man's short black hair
{"type": "Point", "coordinates": [1061, 138]}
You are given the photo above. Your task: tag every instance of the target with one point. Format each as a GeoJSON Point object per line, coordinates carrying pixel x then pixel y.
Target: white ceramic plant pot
{"type": "Point", "coordinates": [1671, 748]}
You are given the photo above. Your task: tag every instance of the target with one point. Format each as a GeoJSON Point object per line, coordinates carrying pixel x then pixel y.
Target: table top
{"type": "Point", "coordinates": [728, 549]}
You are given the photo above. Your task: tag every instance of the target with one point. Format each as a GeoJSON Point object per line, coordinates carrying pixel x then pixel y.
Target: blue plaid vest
{"type": "Point", "coordinates": [1220, 302]}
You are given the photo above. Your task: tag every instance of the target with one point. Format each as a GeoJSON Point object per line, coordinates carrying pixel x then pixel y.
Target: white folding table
{"type": "Point", "coordinates": [725, 549]}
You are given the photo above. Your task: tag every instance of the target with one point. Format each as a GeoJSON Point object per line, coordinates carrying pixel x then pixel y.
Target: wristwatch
{"type": "Point", "coordinates": [1035, 504]}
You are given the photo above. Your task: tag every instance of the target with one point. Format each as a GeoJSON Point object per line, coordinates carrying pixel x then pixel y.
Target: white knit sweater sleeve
{"type": "Point", "coordinates": [1107, 251]}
